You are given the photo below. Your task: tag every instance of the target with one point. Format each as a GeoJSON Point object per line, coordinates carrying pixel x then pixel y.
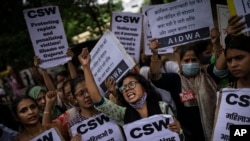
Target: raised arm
{"type": "Point", "coordinates": [47, 80]}
{"type": "Point", "coordinates": [71, 67]}
{"type": "Point", "coordinates": [48, 110]}
{"type": "Point", "coordinates": [84, 59]}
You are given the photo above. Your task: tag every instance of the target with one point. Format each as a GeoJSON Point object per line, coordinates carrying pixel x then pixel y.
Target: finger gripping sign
{"type": "Point", "coordinates": [153, 128]}
{"type": "Point", "coordinates": [48, 135]}
{"type": "Point", "coordinates": [47, 35]}
{"type": "Point", "coordinates": [98, 128]}
{"type": "Point", "coordinates": [233, 109]}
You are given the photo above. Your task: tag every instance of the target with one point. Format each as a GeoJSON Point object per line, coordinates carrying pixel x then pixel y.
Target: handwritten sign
{"type": "Point", "coordinates": [223, 16]}
{"type": "Point", "coordinates": [100, 128]}
{"type": "Point", "coordinates": [181, 22]}
{"type": "Point", "coordinates": [47, 35]}
{"type": "Point", "coordinates": [109, 58]}
{"type": "Point", "coordinates": [127, 27]}
{"type": "Point", "coordinates": [48, 135]}
{"type": "Point", "coordinates": [153, 128]}
{"type": "Point", "coordinates": [233, 109]}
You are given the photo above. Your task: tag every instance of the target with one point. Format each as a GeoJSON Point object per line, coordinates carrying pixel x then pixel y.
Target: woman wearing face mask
{"type": "Point", "coordinates": [138, 97]}
{"type": "Point", "coordinates": [196, 99]}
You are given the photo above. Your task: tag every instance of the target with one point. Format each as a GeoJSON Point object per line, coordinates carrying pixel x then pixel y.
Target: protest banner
{"type": "Point", "coordinates": [153, 128]}
{"type": "Point", "coordinates": [99, 127]}
{"type": "Point", "coordinates": [181, 22]}
{"type": "Point", "coordinates": [48, 135]}
{"type": "Point", "coordinates": [147, 35]}
{"type": "Point", "coordinates": [233, 109]}
{"type": "Point", "coordinates": [241, 8]}
{"type": "Point", "coordinates": [109, 58]}
{"type": "Point", "coordinates": [127, 27]}
{"type": "Point", "coordinates": [223, 16]}
{"type": "Point", "coordinates": [47, 35]}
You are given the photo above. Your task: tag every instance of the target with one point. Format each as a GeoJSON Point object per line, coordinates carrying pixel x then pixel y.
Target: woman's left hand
{"type": "Point", "coordinates": [175, 126]}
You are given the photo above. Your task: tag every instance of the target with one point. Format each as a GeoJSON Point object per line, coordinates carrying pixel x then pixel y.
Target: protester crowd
{"type": "Point", "coordinates": [184, 86]}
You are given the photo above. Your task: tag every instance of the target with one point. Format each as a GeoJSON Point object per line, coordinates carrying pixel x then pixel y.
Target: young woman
{"type": "Point", "coordinates": [26, 111]}
{"type": "Point", "coordinates": [196, 96]}
{"type": "Point", "coordinates": [139, 99]}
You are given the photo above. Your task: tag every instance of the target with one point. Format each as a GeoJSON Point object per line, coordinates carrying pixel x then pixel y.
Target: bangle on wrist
{"type": "Point", "coordinates": [46, 112]}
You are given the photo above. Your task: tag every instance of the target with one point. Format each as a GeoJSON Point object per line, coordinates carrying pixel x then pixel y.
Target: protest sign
{"type": "Point", "coordinates": [47, 35]}
{"type": "Point", "coordinates": [48, 135]}
{"type": "Point", "coordinates": [223, 16]}
{"type": "Point", "coordinates": [232, 109]}
{"type": "Point", "coordinates": [241, 8]}
{"type": "Point", "coordinates": [181, 22]}
{"type": "Point", "coordinates": [99, 127]}
{"type": "Point", "coordinates": [147, 35]}
{"type": "Point", "coordinates": [127, 27]}
{"type": "Point", "coordinates": [109, 58]}
{"type": "Point", "coordinates": [153, 128]}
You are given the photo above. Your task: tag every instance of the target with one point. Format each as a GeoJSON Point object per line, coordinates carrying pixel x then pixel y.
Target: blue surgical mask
{"type": "Point", "coordinates": [139, 103]}
{"type": "Point", "coordinates": [191, 69]}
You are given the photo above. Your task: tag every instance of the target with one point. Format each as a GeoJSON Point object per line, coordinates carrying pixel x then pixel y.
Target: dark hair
{"type": "Point", "coordinates": [201, 45]}
{"type": "Point", "coordinates": [76, 81]}
{"type": "Point", "coordinates": [65, 83]}
{"type": "Point", "coordinates": [188, 47]}
{"type": "Point", "coordinates": [240, 42]}
{"type": "Point", "coordinates": [17, 100]}
{"type": "Point", "coordinates": [152, 95]}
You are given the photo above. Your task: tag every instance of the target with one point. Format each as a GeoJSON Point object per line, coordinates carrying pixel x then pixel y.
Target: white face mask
{"type": "Point", "coordinates": [190, 69]}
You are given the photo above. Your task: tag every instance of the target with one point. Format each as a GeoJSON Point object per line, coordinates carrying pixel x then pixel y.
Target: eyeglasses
{"type": "Point", "coordinates": [81, 93]}
{"type": "Point", "coordinates": [130, 85]}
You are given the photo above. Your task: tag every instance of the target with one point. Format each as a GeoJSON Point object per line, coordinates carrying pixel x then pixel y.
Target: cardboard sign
{"type": "Point", "coordinates": [233, 109]}
{"type": "Point", "coordinates": [47, 35]}
{"type": "Point", "coordinates": [109, 58]}
{"type": "Point", "coordinates": [100, 128]}
{"type": "Point", "coordinates": [127, 27]}
{"type": "Point", "coordinates": [48, 135]}
{"type": "Point", "coordinates": [153, 128]}
{"type": "Point", "coordinates": [181, 22]}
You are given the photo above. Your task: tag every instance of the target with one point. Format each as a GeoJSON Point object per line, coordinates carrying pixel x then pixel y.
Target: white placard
{"type": "Point", "coordinates": [234, 109]}
{"type": "Point", "coordinates": [109, 58]}
{"type": "Point", "coordinates": [147, 35]}
{"type": "Point", "coordinates": [100, 128]}
{"type": "Point", "coordinates": [127, 27]}
{"type": "Point", "coordinates": [47, 35]}
{"type": "Point", "coordinates": [223, 16]}
{"type": "Point", "coordinates": [181, 22]}
{"type": "Point", "coordinates": [153, 128]}
{"type": "Point", "coordinates": [48, 135]}
{"type": "Point", "coordinates": [243, 8]}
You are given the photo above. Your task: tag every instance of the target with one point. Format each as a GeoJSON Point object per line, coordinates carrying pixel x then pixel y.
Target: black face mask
{"type": "Point", "coordinates": [206, 59]}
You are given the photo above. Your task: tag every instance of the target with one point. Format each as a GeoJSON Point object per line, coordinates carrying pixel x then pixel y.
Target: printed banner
{"type": "Point", "coordinates": [233, 110]}
{"type": "Point", "coordinates": [98, 128]}
{"type": "Point", "coordinates": [153, 128]}
{"type": "Point", "coordinates": [181, 22]}
{"type": "Point", "coordinates": [109, 58]}
{"type": "Point", "coordinates": [47, 35]}
{"type": "Point", "coordinates": [48, 135]}
{"type": "Point", "coordinates": [127, 27]}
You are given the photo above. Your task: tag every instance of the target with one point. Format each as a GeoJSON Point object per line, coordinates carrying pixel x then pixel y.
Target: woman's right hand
{"type": "Point", "coordinates": [235, 25]}
{"type": "Point", "coordinates": [37, 61]}
{"type": "Point", "coordinates": [84, 57]}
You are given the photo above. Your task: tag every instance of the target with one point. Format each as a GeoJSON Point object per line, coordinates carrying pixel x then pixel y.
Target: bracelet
{"type": "Point", "coordinates": [45, 112]}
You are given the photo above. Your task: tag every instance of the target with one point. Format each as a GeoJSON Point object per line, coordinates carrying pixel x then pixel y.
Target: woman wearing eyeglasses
{"type": "Point", "coordinates": [137, 97]}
